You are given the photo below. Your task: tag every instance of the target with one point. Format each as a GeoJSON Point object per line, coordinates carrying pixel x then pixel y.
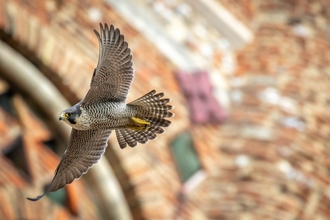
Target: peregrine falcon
{"type": "Point", "coordinates": [104, 109]}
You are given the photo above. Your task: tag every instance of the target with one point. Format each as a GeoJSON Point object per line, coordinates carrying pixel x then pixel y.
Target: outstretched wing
{"type": "Point", "coordinates": [85, 149]}
{"type": "Point", "coordinates": [114, 73]}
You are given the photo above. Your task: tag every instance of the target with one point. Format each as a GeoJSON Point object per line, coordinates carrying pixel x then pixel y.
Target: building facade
{"type": "Point", "coordinates": [250, 135]}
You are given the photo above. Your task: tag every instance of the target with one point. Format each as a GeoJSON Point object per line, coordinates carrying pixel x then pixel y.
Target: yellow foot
{"type": "Point", "coordinates": [139, 124]}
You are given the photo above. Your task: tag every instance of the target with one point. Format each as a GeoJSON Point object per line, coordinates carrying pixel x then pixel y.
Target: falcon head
{"type": "Point", "coordinates": [71, 114]}
{"type": "Point", "coordinates": [68, 117]}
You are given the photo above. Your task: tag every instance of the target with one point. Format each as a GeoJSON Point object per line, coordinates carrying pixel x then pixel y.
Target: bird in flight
{"type": "Point", "coordinates": [104, 109]}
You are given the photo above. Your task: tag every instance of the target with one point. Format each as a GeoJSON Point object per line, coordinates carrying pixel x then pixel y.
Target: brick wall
{"type": "Point", "coordinates": [268, 161]}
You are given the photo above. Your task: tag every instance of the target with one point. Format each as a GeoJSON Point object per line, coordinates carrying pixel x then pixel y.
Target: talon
{"type": "Point", "coordinates": [140, 124]}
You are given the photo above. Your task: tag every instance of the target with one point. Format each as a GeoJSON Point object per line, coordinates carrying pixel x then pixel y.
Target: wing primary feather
{"type": "Point", "coordinates": [111, 32]}
{"type": "Point", "coordinates": [97, 35]}
{"type": "Point", "coordinates": [114, 67]}
{"type": "Point", "coordinates": [100, 47]}
{"type": "Point", "coordinates": [37, 198]}
{"type": "Point", "coordinates": [84, 150]}
{"type": "Point", "coordinates": [117, 36]}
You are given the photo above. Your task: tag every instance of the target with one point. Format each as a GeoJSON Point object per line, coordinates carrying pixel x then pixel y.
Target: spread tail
{"type": "Point", "coordinates": [153, 109]}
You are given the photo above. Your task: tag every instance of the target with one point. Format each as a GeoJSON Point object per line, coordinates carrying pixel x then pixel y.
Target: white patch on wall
{"type": "Point", "coordinates": [242, 160]}
{"type": "Point", "coordinates": [228, 64]}
{"type": "Point", "coordinates": [270, 95]}
{"type": "Point", "coordinates": [294, 122]}
{"type": "Point", "coordinates": [220, 88]}
{"type": "Point", "coordinates": [258, 133]}
{"type": "Point", "coordinates": [236, 96]}
{"type": "Point", "coordinates": [292, 174]}
{"type": "Point", "coordinates": [95, 14]}
{"type": "Point", "coordinates": [302, 31]}
{"type": "Point", "coordinates": [289, 105]}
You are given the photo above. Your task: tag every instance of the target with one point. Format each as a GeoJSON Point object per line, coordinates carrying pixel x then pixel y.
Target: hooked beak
{"type": "Point", "coordinates": [61, 117]}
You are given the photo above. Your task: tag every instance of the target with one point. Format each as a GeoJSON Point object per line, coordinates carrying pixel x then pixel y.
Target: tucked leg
{"type": "Point", "coordinates": [139, 124]}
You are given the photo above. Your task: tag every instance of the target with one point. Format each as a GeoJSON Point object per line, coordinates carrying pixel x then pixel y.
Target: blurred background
{"type": "Point", "coordinates": [249, 80]}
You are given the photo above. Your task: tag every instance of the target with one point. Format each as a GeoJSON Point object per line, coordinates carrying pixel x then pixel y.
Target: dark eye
{"type": "Point", "coordinates": [69, 114]}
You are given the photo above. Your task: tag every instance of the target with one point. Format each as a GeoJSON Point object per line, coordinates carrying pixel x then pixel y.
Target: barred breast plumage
{"type": "Point", "coordinates": [109, 115]}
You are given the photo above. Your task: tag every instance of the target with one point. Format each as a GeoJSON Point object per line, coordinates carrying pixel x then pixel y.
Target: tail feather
{"type": "Point", "coordinates": [131, 137]}
{"type": "Point", "coordinates": [120, 139]}
{"type": "Point", "coordinates": [152, 100]}
{"type": "Point", "coordinates": [158, 122]}
{"type": "Point", "coordinates": [159, 130]}
{"type": "Point", "coordinates": [152, 108]}
{"type": "Point", "coordinates": [148, 96]}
